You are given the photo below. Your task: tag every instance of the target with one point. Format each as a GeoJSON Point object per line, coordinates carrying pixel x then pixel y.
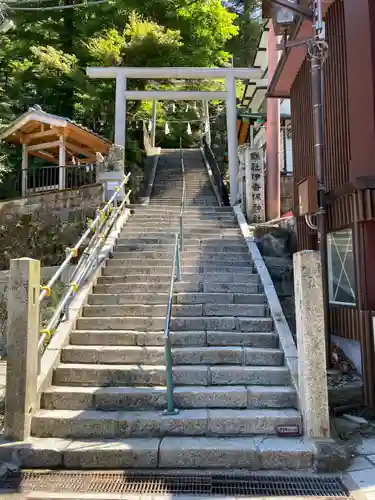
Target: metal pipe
{"type": "Point", "coordinates": [318, 124]}
{"type": "Point", "coordinates": [171, 410]}
{"type": "Point", "coordinates": [73, 252]}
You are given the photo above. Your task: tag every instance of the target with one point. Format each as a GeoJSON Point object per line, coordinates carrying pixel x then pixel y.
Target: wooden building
{"type": "Point", "coordinates": [349, 145]}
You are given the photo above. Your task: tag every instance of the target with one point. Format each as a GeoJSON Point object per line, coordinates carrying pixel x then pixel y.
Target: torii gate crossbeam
{"type": "Point", "coordinates": [229, 95]}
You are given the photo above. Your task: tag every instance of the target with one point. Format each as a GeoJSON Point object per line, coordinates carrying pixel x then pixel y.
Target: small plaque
{"type": "Point", "coordinates": [288, 430]}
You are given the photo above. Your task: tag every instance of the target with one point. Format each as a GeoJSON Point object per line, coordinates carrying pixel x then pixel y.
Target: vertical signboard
{"type": "Point", "coordinates": [256, 174]}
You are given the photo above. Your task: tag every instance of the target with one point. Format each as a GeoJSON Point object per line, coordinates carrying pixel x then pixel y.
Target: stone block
{"type": "Point", "coordinates": [263, 357]}
{"type": "Point", "coordinates": [208, 355]}
{"type": "Point", "coordinates": [249, 422]}
{"type": "Point", "coordinates": [253, 310]}
{"type": "Point", "coordinates": [330, 456]}
{"type": "Point", "coordinates": [103, 337]}
{"type": "Point", "coordinates": [271, 397]}
{"type": "Point", "coordinates": [249, 375]}
{"type": "Point", "coordinates": [285, 454]}
{"type": "Point", "coordinates": [209, 452]}
{"type": "Point", "coordinates": [112, 454]}
{"type": "Point", "coordinates": [190, 375]}
{"type": "Point", "coordinates": [154, 423]}
{"type": "Point", "coordinates": [75, 424]}
{"type": "Point", "coordinates": [22, 347]}
{"type": "Point", "coordinates": [251, 339]}
{"type": "Point", "coordinates": [137, 398]}
{"type": "Point", "coordinates": [312, 376]}
{"type": "Point", "coordinates": [254, 324]}
{"type": "Point", "coordinates": [210, 397]}
{"type": "Point", "coordinates": [187, 338]}
{"type": "Point", "coordinates": [74, 398]}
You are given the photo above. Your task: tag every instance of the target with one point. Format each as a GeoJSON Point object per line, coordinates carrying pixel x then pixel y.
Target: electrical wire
{"type": "Point", "coordinates": [56, 7]}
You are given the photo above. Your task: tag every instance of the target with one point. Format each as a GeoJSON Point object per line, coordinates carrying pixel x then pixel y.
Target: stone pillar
{"type": "Point", "coordinates": [120, 112]}
{"type": "Point", "coordinates": [22, 347]}
{"type": "Point", "coordinates": [312, 375]}
{"type": "Point", "coordinates": [232, 138]}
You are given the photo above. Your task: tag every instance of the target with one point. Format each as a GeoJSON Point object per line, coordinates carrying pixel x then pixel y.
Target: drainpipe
{"type": "Point", "coordinates": [273, 136]}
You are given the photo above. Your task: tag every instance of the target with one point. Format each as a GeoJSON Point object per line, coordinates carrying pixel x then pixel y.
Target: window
{"type": "Point", "coordinates": [341, 268]}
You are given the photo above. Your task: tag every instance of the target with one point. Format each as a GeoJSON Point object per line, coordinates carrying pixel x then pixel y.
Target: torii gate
{"type": "Point", "coordinates": [121, 74]}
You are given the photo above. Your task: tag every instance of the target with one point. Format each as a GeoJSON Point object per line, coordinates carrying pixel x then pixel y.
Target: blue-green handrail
{"type": "Point", "coordinates": [176, 276]}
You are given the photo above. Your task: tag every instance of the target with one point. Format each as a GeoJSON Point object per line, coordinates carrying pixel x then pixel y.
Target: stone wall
{"type": "Point", "coordinates": [277, 245]}
{"type": "Point", "coordinates": [65, 203]}
{"type": "Point", "coordinates": [42, 226]}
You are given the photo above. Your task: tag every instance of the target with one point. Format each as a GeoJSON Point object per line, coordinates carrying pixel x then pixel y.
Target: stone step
{"type": "Point", "coordinates": [106, 286]}
{"type": "Point", "coordinates": [206, 247]}
{"type": "Point", "coordinates": [182, 323]}
{"type": "Point", "coordinates": [235, 453]}
{"type": "Point", "coordinates": [178, 310]}
{"type": "Point", "coordinates": [196, 270]}
{"type": "Point", "coordinates": [124, 276]}
{"type": "Point", "coordinates": [109, 354]}
{"type": "Point", "coordinates": [97, 337]}
{"type": "Point", "coordinates": [155, 398]}
{"type": "Point", "coordinates": [81, 374]}
{"type": "Point", "coordinates": [148, 423]}
{"type": "Point", "coordinates": [189, 235]}
{"type": "Point", "coordinates": [178, 298]}
{"type": "Point", "coordinates": [200, 256]}
{"type": "Point", "coordinates": [186, 262]}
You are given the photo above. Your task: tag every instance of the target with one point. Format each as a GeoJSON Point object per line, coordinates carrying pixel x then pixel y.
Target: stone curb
{"type": "Point", "coordinates": [145, 200]}
{"type": "Point", "coordinates": [52, 354]}
{"type": "Point", "coordinates": [211, 177]}
{"type": "Point", "coordinates": [282, 328]}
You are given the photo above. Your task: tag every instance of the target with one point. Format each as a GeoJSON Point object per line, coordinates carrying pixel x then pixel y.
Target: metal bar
{"type": "Point", "coordinates": [167, 344]}
{"type": "Point", "coordinates": [73, 252]}
{"type": "Point", "coordinates": [182, 207]}
{"type": "Point", "coordinates": [318, 124]}
{"type": "Point", "coordinates": [87, 260]}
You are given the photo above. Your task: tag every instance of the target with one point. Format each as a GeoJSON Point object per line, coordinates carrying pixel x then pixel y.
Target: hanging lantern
{"type": "Point", "coordinates": [166, 128]}
{"type": "Point", "coordinates": [149, 125]}
{"type": "Point", "coordinates": [188, 130]}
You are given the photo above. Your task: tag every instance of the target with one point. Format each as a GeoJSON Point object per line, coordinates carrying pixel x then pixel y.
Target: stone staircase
{"type": "Point", "coordinates": [105, 407]}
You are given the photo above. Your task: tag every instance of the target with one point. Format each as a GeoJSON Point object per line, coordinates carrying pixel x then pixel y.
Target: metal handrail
{"type": "Point", "coordinates": [100, 227]}
{"type": "Point", "coordinates": [182, 207]}
{"type": "Point", "coordinates": [176, 276]}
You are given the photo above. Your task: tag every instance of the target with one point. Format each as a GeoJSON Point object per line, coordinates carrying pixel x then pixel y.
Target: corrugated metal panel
{"type": "Point", "coordinates": [344, 321]}
{"type": "Point", "coordinates": [336, 137]}
{"type": "Point", "coordinates": [337, 141]}
{"type": "Point", "coordinates": [368, 356]}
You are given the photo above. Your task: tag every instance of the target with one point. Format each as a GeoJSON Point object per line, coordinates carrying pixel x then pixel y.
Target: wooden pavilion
{"type": "Point", "coordinates": [55, 139]}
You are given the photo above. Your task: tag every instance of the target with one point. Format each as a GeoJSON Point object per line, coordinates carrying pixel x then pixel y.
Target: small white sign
{"type": "Point", "coordinates": [112, 185]}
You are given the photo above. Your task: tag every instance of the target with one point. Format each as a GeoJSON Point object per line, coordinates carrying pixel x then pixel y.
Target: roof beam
{"type": "Point", "coordinates": [165, 73]}
{"type": "Point", "coordinates": [38, 135]}
{"type": "Point", "coordinates": [45, 145]}
{"type": "Point", "coordinates": [79, 149]}
{"type": "Point", "coordinates": [44, 156]}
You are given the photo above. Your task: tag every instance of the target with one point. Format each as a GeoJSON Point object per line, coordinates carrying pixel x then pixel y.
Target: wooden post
{"type": "Point", "coordinates": [62, 161]}
{"type": "Point", "coordinates": [24, 170]}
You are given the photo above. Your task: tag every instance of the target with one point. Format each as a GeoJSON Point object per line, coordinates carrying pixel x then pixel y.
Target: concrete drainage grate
{"type": "Point", "coordinates": [201, 484]}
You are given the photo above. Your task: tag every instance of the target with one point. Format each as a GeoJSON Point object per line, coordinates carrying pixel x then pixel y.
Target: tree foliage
{"type": "Point", "coordinates": [43, 61]}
